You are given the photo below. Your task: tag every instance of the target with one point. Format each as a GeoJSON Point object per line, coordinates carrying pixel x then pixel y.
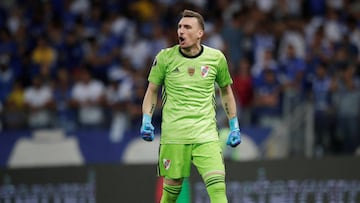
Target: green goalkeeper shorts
{"type": "Point", "coordinates": [175, 159]}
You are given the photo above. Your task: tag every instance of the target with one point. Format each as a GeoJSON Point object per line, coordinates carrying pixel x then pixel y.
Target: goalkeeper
{"type": "Point", "coordinates": [187, 73]}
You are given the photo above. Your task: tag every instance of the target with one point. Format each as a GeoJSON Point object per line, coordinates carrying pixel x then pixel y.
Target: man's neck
{"type": "Point", "coordinates": [192, 51]}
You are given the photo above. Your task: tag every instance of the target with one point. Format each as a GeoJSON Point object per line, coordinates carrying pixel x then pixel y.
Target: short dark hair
{"type": "Point", "coordinates": [194, 14]}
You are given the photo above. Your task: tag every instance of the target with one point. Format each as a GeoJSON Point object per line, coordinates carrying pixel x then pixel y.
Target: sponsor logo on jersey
{"type": "Point", "coordinates": [191, 71]}
{"type": "Point", "coordinates": [204, 71]}
{"type": "Point", "coordinates": [166, 163]}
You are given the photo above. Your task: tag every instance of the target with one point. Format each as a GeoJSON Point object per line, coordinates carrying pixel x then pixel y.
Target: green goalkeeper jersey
{"type": "Point", "coordinates": [188, 114]}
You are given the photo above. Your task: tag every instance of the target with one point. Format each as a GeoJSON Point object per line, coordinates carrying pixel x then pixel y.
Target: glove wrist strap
{"type": "Point", "coordinates": [234, 124]}
{"type": "Point", "coordinates": [146, 118]}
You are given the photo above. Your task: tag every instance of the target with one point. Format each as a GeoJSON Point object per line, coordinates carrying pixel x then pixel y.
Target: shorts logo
{"type": "Point", "coordinates": [191, 71]}
{"type": "Point", "coordinates": [166, 163]}
{"type": "Point", "coordinates": [204, 71]}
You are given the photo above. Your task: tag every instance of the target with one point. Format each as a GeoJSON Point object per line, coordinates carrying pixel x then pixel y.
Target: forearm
{"type": "Point", "coordinates": [150, 99]}
{"type": "Point", "coordinates": [229, 104]}
{"type": "Point", "coordinates": [228, 101]}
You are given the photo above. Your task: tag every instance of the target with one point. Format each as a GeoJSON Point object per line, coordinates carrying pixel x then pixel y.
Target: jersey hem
{"type": "Point", "coordinates": [197, 142]}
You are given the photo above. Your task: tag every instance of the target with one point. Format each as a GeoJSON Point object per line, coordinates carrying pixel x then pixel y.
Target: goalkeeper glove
{"type": "Point", "coordinates": [147, 129]}
{"type": "Point", "coordinates": [234, 138]}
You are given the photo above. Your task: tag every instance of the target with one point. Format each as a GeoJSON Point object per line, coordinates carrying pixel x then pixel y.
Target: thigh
{"type": "Point", "coordinates": [174, 161]}
{"type": "Point", "coordinates": [208, 158]}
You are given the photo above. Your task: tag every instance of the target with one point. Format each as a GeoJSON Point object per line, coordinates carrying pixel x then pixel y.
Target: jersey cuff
{"type": "Point", "coordinates": [155, 82]}
{"type": "Point", "coordinates": [224, 85]}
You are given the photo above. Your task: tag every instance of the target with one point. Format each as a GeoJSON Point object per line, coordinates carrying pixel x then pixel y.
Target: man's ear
{"type": "Point", "coordinates": [200, 34]}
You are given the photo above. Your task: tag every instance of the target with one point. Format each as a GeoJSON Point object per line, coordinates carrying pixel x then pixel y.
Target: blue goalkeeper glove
{"type": "Point", "coordinates": [234, 138]}
{"type": "Point", "coordinates": [147, 129]}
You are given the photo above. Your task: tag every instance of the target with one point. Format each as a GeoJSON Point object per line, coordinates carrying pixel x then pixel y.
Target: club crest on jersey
{"type": "Point", "coordinates": [191, 71]}
{"type": "Point", "coordinates": [166, 163]}
{"type": "Point", "coordinates": [204, 71]}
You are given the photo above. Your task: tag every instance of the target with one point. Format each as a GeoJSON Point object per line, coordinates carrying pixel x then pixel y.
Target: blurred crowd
{"type": "Point", "coordinates": [83, 64]}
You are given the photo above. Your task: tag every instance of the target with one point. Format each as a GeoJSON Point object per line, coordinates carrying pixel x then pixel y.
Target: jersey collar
{"type": "Point", "coordinates": [187, 56]}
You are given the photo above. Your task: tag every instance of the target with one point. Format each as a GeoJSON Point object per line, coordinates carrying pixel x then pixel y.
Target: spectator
{"type": "Point", "coordinates": [233, 35]}
{"type": "Point", "coordinates": [46, 75]}
{"type": "Point", "coordinates": [138, 51]}
{"type": "Point", "coordinates": [158, 41]}
{"type": "Point", "coordinates": [73, 53]}
{"type": "Point", "coordinates": [14, 116]}
{"type": "Point", "coordinates": [7, 45]}
{"type": "Point", "coordinates": [267, 101]}
{"type": "Point", "coordinates": [143, 9]}
{"type": "Point", "coordinates": [118, 95]}
{"type": "Point", "coordinates": [137, 96]}
{"type": "Point", "coordinates": [243, 90]}
{"type": "Point", "coordinates": [24, 45]}
{"type": "Point", "coordinates": [293, 68]}
{"type": "Point", "coordinates": [292, 36]}
{"type": "Point", "coordinates": [122, 26]}
{"type": "Point", "coordinates": [91, 51]}
{"type": "Point", "coordinates": [7, 78]}
{"type": "Point", "coordinates": [293, 72]}
{"type": "Point", "coordinates": [55, 32]}
{"type": "Point", "coordinates": [319, 48]}
{"type": "Point", "coordinates": [340, 60]}
{"type": "Point", "coordinates": [354, 34]}
{"type": "Point", "coordinates": [349, 50]}
{"type": "Point", "coordinates": [39, 103]}
{"type": "Point", "coordinates": [92, 15]}
{"type": "Point", "coordinates": [213, 36]}
{"type": "Point", "coordinates": [88, 97]}
{"type": "Point", "coordinates": [108, 44]}
{"type": "Point", "coordinates": [43, 54]}
{"type": "Point", "coordinates": [263, 42]}
{"type": "Point", "coordinates": [333, 27]}
{"type": "Point", "coordinates": [135, 113]}
{"type": "Point", "coordinates": [347, 106]}
{"type": "Point", "coordinates": [268, 62]}
{"type": "Point", "coordinates": [65, 117]}
{"type": "Point", "coordinates": [15, 19]}
{"type": "Point", "coordinates": [323, 112]}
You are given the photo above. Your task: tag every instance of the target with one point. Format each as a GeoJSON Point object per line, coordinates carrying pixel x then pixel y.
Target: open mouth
{"type": "Point", "coordinates": [181, 39]}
